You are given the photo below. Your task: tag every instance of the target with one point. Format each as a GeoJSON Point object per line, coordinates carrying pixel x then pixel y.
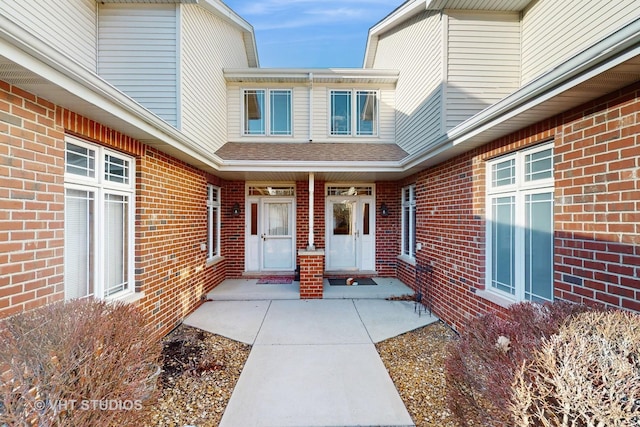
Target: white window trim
{"type": "Point", "coordinates": [354, 115]}
{"type": "Point", "coordinates": [411, 203]}
{"type": "Point", "coordinates": [211, 256]}
{"type": "Point", "coordinates": [100, 187]}
{"type": "Point", "coordinates": [267, 112]}
{"type": "Point", "coordinates": [519, 189]}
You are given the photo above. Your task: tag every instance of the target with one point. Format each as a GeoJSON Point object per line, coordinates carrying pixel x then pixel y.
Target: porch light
{"type": "Point", "coordinates": [235, 210]}
{"type": "Point", "coordinates": [384, 210]}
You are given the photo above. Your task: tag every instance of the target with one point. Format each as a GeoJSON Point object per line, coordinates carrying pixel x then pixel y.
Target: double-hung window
{"type": "Point", "coordinates": [409, 221]}
{"type": "Point", "coordinates": [267, 112]}
{"type": "Point", "coordinates": [354, 112]}
{"type": "Point", "coordinates": [213, 221]}
{"type": "Point", "coordinates": [520, 224]}
{"type": "Point", "coordinates": [98, 224]}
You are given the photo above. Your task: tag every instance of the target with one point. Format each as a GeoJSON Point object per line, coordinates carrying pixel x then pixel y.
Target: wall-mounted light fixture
{"type": "Point", "coordinates": [384, 210]}
{"type": "Point", "coordinates": [235, 210]}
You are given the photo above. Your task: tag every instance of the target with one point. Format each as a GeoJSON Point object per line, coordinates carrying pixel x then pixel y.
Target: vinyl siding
{"type": "Point", "coordinates": [209, 45]}
{"type": "Point", "coordinates": [415, 48]}
{"type": "Point", "coordinates": [67, 25]}
{"type": "Point", "coordinates": [137, 53]}
{"type": "Point", "coordinates": [483, 62]}
{"type": "Point", "coordinates": [569, 26]}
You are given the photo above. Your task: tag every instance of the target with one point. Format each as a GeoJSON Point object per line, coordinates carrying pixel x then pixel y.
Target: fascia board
{"type": "Point", "coordinates": [229, 15]}
{"type": "Point", "coordinates": [401, 14]}
{"type": "Point", "coordinates": [29, 52]}
{"type": "Point", "coordinates": [302, 166]}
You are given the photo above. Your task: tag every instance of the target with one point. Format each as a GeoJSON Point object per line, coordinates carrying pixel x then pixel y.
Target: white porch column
{"type": "Point", "coordinates": [312, 182]}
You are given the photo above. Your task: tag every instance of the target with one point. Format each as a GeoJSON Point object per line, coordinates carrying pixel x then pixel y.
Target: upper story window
{"type": "Point", "coordinates": [267, 112]}
{"type": "Point", "coordinates": [344, 103]}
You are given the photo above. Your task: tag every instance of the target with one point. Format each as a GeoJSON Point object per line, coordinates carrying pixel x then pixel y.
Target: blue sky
{"type": "Point", "coordinates": [312, 33]}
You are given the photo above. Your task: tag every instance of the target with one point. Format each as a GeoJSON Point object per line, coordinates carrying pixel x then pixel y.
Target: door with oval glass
{"type": "Point", "coordinates": [350, 233]}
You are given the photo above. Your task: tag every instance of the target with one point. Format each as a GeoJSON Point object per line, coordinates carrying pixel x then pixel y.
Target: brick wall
{"type": "Point", "coordinates": [387, 228]}
{"type": "Point", "coordinates": [597, 218]}
{"type": "Point", "coordinates": [233, 228]}
{"type": "Point", "coordinates": [31, 201]}
{"type": "Point", "coordinates": [302, 215]}
{"type": "Point", "coordinates": [171, 268]}
{"type": "Point", "coordinates": [597, 211]}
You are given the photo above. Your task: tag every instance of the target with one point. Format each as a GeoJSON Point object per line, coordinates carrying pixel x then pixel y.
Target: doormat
{"type": "Point", "coordinates": [275, 280]}
{"type": "Point", "coordinates": [360, 282]}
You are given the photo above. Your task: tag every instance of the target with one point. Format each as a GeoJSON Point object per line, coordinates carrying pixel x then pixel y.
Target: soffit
{"type": "Point", "coordinates": [306, 76]}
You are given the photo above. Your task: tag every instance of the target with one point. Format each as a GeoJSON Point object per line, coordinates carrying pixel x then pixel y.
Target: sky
{"type": "Point", "coordinates": [312, 33]}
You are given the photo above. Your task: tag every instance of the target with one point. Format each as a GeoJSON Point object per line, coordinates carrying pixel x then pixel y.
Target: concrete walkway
{"type": "Point", "coordinates": [313, 362]}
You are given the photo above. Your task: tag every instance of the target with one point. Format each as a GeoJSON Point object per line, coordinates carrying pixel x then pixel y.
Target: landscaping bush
{"type": "Point", "coordinates": [482, 363]}
{"type": "Point", "coordinates": [77, 363]}
{"type": "Point", "coordinates": [586, 375]}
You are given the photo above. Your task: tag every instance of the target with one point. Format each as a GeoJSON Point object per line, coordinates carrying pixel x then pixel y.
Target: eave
{"type": "Point", "coordinates": [311, 75]}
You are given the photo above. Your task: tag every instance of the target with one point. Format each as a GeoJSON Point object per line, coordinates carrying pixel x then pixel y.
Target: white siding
{"type": "Point", "coordinates": [67, 25]}
{"type": "Point", "coordinates": [415, 48]}
{"type": "Point", "coordinates": [483, 61]}
{"type": "Point", "coordinates": [554, 30]}
{"type": "Point", "coordinates": [209, 45]}
{"type": "Point", "coordinates": [137, 53]}
{"type": "Point", "coordinates": [301, 113]}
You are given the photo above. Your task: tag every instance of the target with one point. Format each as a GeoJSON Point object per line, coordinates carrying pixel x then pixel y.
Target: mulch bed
{"type": "Point", "coordinates": [199, 373]}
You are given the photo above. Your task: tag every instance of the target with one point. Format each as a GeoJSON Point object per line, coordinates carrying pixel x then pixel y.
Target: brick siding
{"type": "Point", "coordinates": [596, 220]}
{"type": "Point", "coordinates": [170, 267]}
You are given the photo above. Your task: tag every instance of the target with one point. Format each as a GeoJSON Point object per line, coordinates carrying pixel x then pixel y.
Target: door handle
{"type": "Point", "coordinates": [263, 236]}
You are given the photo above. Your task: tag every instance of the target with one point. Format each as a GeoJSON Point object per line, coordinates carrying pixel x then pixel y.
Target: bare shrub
{"type": "Point", "coordinates": [78, 363]}
{"type": "Point", "coordinates": [586, 375]}
{"type": "Point", "coordinates": [482, 363]}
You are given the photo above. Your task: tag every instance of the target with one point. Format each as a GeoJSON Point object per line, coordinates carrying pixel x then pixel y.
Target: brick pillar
{"type": "Point", "coordinates": [311, 273]}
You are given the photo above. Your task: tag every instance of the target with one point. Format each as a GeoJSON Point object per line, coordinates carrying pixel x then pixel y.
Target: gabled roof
{"type": "Point", "coordinates": [411, 8]}
{"type": "Point", "coordinates": [222, 11]}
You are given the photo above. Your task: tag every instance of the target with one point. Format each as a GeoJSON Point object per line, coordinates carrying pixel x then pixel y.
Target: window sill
{"type": "Point", "coordinates": [130, 298]}
{"type": "Point", "coordinates": [407, 259]}
{"type": "Point", "coordinates": [495, 298]}
{"type": "Point", "coordinates": [215, 260]}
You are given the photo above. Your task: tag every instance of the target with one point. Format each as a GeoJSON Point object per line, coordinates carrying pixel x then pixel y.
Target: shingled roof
{"type": "Point", "coordinates": [312, 151]}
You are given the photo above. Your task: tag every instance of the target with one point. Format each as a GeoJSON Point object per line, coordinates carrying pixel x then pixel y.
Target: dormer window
{"type": "Point", "coordinates": [267, 118]}
{"type": "Point", "coordinates": [365, 120]}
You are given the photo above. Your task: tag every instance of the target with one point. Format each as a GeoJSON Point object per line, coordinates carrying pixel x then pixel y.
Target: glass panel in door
{"type": "Point", "coordinates": [342, 248]}
{"type": "Point", "coordinates": [277, 236]}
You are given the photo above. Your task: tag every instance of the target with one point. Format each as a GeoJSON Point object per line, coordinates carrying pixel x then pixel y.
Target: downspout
{"type": "Point", "coordinates": [312, 182]}
{"type": "Point", "coordinates": [310, 107]}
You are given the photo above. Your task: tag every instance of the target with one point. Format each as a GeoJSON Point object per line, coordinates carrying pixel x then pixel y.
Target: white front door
{"type": "Point", "coordinates": [277, 235]}
{"type": "Point", "coordinates": [350, 233]}
{"type": "Point", "coordinates": [270, 234]}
